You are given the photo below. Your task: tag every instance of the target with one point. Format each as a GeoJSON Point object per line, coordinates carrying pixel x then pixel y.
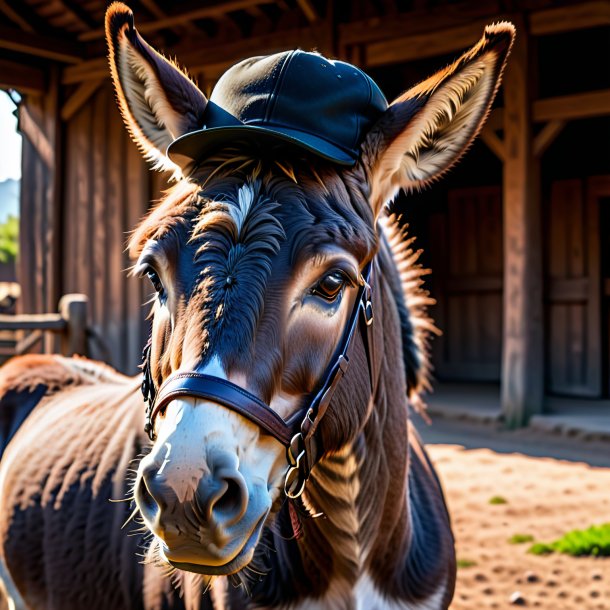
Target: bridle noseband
{"type": "Point", "coordinates": [300, 433]}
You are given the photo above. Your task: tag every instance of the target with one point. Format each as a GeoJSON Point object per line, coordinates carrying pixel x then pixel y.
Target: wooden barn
{"type": "Point", "coordinates": [517, 235]}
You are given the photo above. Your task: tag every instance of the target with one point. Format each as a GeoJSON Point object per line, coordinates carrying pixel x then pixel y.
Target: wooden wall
{"type": "Point", "coordinates": [107, 189]}
{"type": "Point", "coordinates": [466, 243]}
{"type": "Point", "coordinates": [37, 269]}
{"type": "Point", "coordinates": [574, 334]}
{"type": "Point", "coordinates": [74, 225]}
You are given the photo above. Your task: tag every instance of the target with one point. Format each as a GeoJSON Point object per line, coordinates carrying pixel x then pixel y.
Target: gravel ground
{"type": "Point", "coordinates": [545, 497]}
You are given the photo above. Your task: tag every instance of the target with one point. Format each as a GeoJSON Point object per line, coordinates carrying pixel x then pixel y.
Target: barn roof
{"type": "Point", "coordinates": [209, 36]}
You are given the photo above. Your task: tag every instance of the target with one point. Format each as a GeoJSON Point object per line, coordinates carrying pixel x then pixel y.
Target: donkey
{"type": "Point", "coordinates": [289, 333]}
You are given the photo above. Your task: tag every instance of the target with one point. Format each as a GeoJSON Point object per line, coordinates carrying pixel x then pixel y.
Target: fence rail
{"type": "Point", "coordinates": [70, 323]}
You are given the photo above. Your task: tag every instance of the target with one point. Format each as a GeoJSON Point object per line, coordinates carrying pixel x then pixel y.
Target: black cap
{"type": "Point", "coordinates": [304, 99]}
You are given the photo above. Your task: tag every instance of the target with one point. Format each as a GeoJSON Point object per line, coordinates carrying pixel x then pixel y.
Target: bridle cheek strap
{"type": "Point", "coordinates": [299, 434]}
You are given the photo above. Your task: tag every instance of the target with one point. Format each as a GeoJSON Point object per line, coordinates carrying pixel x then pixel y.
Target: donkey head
{"type": "Point", "coordinates": [256, 256]}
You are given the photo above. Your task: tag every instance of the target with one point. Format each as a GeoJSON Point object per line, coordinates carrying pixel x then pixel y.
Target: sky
{"type": "Point", "coordinates": [10, 140]}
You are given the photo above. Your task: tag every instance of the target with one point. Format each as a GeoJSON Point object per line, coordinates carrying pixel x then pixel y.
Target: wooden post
{"type": "Point", "coordinates": [523, 353]}
{"type": "Point", "coordinates": [73, 309]}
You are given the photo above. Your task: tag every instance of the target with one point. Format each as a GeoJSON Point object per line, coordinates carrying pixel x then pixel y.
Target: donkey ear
{"type": "Point", "coordinates": [428, 128]}
{"type": "Point", "coordinates": [158, 101]}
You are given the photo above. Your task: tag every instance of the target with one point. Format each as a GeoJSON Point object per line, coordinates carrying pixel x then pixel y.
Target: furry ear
{"type": "Point", "coordinates": [428, 128]}
{"type": "Point", "coordinates": [158, 100]}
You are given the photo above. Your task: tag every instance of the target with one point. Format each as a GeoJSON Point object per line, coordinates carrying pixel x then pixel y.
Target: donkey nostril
{"type": "Point", "coordinates": [150, 501]}
{"type": "Point", "coordinates": [229, 503]}
{"type": "Point", "coordinates": [145, 499]}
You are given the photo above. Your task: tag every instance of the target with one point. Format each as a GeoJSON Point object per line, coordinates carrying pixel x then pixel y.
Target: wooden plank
{"type": "Point", "coordinates": [419, 46]}
{"type": "Point", "coordinates": [214, 59]}
{"type": "Point", "coordinates": [79, 97]}
{"type": "Point", "coordinates": [577, 16]}
{"type": "Point", "coordinates": [23, 78]}
{"type": "Point", "coordinates": [103, 153]}
{"type": "Point", "coordinates": [43, 321]}
{"type": "Point", "coordinates": [427, 19]}
{"type": "Point", "coordinates": [557, 350]}
{"type": "Point", "coordinates": [596, 189]}
{"type": "Point", "coordinates": [41, 46]}
{"type": "Point", "coordinates": [215, 10]}
{"type": "Point", "coordinates": [568, 290]}
{"type": "Point", "coordinates": [558, 233]}
{"type": "Point", "coordinates": [576, 237]}
{"type": "Point", "coordinates": [52, 239]}
{"type": "Point", "coordinates": [577, 106]}
{"type": "Point", "coordinates": [137, 196]}
{"type": "Point", "coordinates": [26, 344]}
{"type": "Point", "coordinates": [309, 10]}
{"type": "Point", "coordinates": [562, 108]}
{"type": "Point", "coordinates": [523, 356]}
{"type": "Point", "coordinates": [34, 133]}
{"type": "Point", "coordinates": [79, 14]}
{"type": "Point", "coordinates": [115, 317]}
{"type": "Point", "coordinates": [15, 17]}
{"type": "Point", "coordinates": [478, 284]}
{"type": "Point", "coordinates": [547, 136]}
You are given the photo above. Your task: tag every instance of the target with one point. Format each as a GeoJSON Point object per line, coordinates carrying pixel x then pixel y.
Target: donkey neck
{"type": "Point", "coordinates": [369, 543]}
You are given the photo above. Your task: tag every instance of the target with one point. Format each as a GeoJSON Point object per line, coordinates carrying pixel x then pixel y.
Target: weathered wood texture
{"type": "Point", "coordinates": [39, 232]}
{"type": "Point", "coordinates": [106, 192]}
{"type": "Point", "coordinates": [467, 269]}
{"type": "Point", "coordinates": [522, 358]}
{"type": "Point", "coordinates": [572, 367]}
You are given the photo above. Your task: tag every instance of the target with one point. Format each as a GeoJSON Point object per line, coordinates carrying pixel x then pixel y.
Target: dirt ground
{"type": "Point", "coordinates": [544, 497]}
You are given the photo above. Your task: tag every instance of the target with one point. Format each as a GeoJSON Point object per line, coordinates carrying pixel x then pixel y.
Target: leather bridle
{"type": "Point", "coordinates": [300, 433]}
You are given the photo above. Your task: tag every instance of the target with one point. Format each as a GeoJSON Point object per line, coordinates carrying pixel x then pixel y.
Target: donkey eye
{"type": "Point", "coordinates": [330, 286]}
{"type": "Point", "coordinates": [156, 282]}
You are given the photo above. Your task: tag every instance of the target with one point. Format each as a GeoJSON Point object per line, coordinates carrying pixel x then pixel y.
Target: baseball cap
{"type": "Point", "coordinates": [300, 98]}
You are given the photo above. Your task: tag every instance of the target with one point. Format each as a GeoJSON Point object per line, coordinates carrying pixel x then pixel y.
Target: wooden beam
{"type": "Point", "coordinates": [425, 20]}
{"type": "Point", "coordinates": [215, 57]}
{"type": "Point", "coordinates": [564, 108]}
{"type": "Point", "coordinates": [40, 46]}
{"type": "Point", "coordinates": [79, 97]}
{"type": "Point", "coordinates": [15, 17]}
{"type": "Point", "coordinates": [547, 135]}
{"type": "Point", "coordinates": [522, 346]}
{"type": "Point", "coordinates": [92, 69]}
{"type": "Point", "coordinates": [309, 10]}
{"type": "Point", "coordinates": [23, 78]}
{"type": "Point", "coordinates": [80, 14]}
{"type": "Point", "coordinates": [43, 321]}
{"type": "Point", "coordinates": [577, 106]}
{"type": "Point", "coordinates": [494, 143]}
{"type": "Point", "coordinates": [577, 16]}
{"type": "Point", "coordinates": [419, 46]}
{"type": "Point", "coordinates": [215, 10]}
{"type": "Point", "coordinates": [153, 8]}
{"type": "Point", "coordinates": [34, 133]}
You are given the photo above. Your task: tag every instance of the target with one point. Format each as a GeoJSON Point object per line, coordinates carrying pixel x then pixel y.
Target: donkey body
{"type": "Point", "coordinates": [257, 257]}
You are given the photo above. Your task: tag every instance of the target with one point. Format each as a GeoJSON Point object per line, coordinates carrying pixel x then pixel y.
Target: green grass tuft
{"type": "Point", "coordinates": [498, 500]}
{"type": "Point", "coordinates": [520, 538]}
{"type": "Point", "coordinates": [466, 563]}
{"type": "Point", "coordinates": [594, 541]}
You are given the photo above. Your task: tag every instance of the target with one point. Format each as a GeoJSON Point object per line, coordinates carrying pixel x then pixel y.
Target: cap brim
{"type": "Point", "coordinates": [195, 146]}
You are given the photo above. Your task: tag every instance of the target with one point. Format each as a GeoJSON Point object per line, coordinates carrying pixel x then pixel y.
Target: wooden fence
{"type": "Point", "coordinates": [69, 324]}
